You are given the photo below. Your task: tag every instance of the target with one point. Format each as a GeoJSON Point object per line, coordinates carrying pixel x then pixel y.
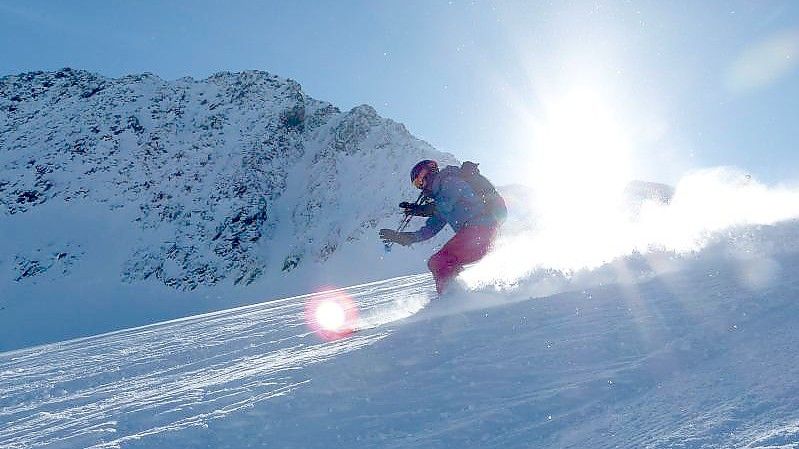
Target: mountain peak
{"type": "Point", "coordinates": [219, 179]}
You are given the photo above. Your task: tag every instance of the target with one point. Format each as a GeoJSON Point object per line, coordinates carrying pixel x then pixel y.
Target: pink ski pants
{"type": "Point", "coordinates": [468, 245]}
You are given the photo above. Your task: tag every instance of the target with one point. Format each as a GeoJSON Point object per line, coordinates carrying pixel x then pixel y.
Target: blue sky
{"type": "Point", "coordinates": [683, 84]}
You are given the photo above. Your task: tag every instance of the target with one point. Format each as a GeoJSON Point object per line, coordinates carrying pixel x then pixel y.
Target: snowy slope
{"type": "Point", "coordinates": [692, 350]}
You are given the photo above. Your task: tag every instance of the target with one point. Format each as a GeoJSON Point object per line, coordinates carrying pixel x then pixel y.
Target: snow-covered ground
{"type": "Point", "coordinates": [653, 350]}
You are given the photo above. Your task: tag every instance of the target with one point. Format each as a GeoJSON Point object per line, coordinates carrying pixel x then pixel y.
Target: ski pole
{"type": "Point", "coordinates": [406, 220]}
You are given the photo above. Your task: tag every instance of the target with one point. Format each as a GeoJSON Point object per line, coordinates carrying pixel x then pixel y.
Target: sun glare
{"type": "Point", "coordinates": [581, 161]}
{"type": "Point", "coordinates": [580, 156]}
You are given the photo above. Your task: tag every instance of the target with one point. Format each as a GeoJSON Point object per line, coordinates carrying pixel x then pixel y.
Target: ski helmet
{"type": "Point", "coordinates": [420, 171]}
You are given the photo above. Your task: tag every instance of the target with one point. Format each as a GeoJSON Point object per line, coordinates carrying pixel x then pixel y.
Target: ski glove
{"type": "Point", "coordinates": [419, 210]}
{"type": "Point", "coordinates": [403, 238]}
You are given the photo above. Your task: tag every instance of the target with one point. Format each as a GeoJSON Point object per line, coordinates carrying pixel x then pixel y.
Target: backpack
{"type": "Point", "coordinates": [482, 187]}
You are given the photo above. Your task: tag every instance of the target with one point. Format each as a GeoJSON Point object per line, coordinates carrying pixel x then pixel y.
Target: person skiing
{"type": "Point", "coordinates": [462, 198]}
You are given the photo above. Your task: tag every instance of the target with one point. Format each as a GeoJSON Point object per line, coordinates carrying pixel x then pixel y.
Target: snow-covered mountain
{"type": "Point", "coordinates": [110, 188]}
{"type": "Point", "coordinates": [221, 179]}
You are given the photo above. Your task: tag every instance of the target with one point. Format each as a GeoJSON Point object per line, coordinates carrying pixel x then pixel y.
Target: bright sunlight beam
{"type": "Point", "coordinates": [580, 159]}
{"type": "Point", "coordinates": [580, 163]}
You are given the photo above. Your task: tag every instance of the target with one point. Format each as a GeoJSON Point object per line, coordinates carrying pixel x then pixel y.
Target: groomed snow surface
{"type": "Point", "coordinates": [700, 354]}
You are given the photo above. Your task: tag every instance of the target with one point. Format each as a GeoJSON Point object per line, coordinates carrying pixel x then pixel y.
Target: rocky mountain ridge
{"type": "Point", "coordinates": [223, 178]}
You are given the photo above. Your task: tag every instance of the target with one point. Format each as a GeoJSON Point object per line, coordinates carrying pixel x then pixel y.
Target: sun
{"type": "Point", "coordinates": [580, 155]}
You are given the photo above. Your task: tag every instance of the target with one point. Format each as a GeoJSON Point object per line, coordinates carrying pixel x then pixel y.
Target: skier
{"type": "Point", "coordinates": [462, 198]}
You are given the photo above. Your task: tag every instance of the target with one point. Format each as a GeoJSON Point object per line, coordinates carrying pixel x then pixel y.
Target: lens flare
{"type": "Point", "coordinates": [331, 315]}
{"type": "Point", "coordinates": [765, 62]}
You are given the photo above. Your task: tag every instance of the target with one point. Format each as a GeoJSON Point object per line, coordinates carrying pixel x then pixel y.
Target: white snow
{"type": "Point", "coordinates": [695, 356]}
{"type": "Point", "coordinates": [706, 204]}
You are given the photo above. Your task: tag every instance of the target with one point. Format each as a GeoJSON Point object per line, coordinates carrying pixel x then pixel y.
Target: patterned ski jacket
{"type": "Point", "coordinates": [456, 205]}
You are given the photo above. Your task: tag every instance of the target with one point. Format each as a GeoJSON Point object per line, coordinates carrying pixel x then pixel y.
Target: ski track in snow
{"type": "Point", "coordinates": [105, 390]}
{"type": "Point", "coordinates": [693, 359]}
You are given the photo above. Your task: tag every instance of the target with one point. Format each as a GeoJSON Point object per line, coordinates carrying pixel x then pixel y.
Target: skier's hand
{"type": "Point", "coordinates": [390, 235]}
{"type": "Point", "coordinates": [419, 210]}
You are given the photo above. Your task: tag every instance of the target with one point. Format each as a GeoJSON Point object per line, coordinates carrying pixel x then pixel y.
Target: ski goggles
{"type": "Point", "coordinates": [418, 181]}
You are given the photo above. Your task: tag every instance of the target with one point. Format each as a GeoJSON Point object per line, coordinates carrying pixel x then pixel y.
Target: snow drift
{"type": "Point", "coordinates": [705, 206]}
